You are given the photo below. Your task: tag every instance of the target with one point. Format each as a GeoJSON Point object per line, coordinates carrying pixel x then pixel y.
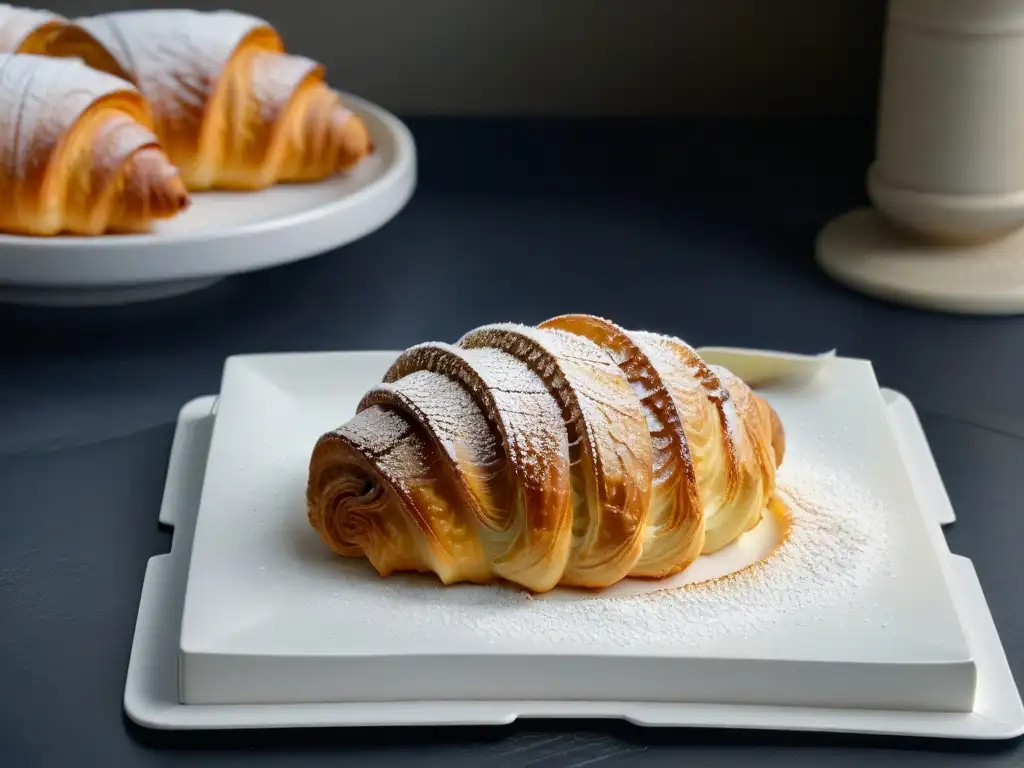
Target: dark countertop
{"type": "Point", "coordinates": [701, 229]}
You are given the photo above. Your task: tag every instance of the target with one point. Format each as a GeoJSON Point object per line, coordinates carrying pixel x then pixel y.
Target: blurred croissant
{"type": "Point", "coordinates": [27, 30]}
{"type": "Point", "coordinates": [233, 110]}
{"type": "Point", "coordinates": [575, 453]}
{"type": "Point", "coordinates": [77, 152]}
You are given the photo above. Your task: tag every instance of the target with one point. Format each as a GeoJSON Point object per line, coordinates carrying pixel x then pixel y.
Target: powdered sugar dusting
{"type": "Point", "coordinates": [685, 370]}
{"type": "Point", "coordinates": [175, 56]}
{"type": "Point", "coordinates": [608, 431]}
{"type": "Point", "coordinates": [836, 542]}
{"type": "Point", "coordinates": [515, 401]}
{"type": "Point", "coordinates": [374, 431]}
{"type": "Point", "coordinates": [447, 410]}
{"type": "Point", "coordinates": [836, 546]}
{"type": "Point", "coordinates": [702, 397]}
{"type": "Point", "coordinates": [44, 98]}
{"type": "Point", "coordinates": [274, 79]}
{"type": "Point", "coordinates": [17, 24]}
{"type": "Point", "coordinates": [590, 384]}
{"type": "Point", "coordinates": [529, 415]}
{"type": "Point", "coordinates": [115, 141]}
{"type": "Point", "coordinates": [572, 424]}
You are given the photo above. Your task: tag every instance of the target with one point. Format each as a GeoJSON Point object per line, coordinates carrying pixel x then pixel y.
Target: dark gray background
{"type": "Point", "coordinates": [721, 57]}
{"type": "Point", "coordinates": [702, 228]}
{"type": "Point", "coordinates": [705, 231]}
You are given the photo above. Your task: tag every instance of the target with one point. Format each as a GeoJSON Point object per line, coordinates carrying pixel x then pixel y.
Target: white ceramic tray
{"type": "Point", "coordinates": [221, 234]}
{"type": "Point", "coordinates": [853, 611]}
{"type": "Point", "coordinates": [156, 679]}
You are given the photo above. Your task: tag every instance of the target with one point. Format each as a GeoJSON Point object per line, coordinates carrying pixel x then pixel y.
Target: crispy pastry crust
{"type": "Point", "coordinates": [78, 153]}
{"type": "Point", "coordinates": [233, 110]}
{"type": "Point", "coordinates": [575, 453]}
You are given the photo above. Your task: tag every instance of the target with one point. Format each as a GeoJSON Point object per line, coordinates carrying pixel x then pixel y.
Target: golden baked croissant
{"type": "Point", "coordinates": [233, 110]}
{"type": "Point", "coordinates": [573, 453]}
{"type": "Point", "coordinates": [27, 30]}
{"type": "Point", "coordinates": [77, 152]}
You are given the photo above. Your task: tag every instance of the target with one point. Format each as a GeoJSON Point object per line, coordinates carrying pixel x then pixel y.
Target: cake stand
{"type": "Point", "coordinates": [947, 185]}
{"type": "Point", "coordinates": [221, 234]}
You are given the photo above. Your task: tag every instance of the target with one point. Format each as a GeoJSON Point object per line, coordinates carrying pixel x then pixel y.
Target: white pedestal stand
{"type": "Point", "coordinates": [947, 184]}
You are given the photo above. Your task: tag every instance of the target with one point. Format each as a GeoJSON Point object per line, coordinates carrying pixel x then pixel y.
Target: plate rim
{"type": "Point", "coordinates": [164, 585]}
{"type": "Point", "coordinates": [275, 374]}
{"type": "Point", "coordinates": [384, 196]}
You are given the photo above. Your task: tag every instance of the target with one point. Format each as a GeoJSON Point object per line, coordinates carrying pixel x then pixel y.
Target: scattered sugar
{"type": "Point", "coordinates": [173, 55]}
{"type": "Point", "coordinates": [837, 544]}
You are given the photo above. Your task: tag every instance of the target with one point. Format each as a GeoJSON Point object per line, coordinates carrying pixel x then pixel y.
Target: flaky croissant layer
{"type": "Point", "coordinates": [28, 30]}
{"type": "Point", "coordinates": [233, 109]}
{"type": "Point", "coordinates": [77, 152]}
{"type": "Point", "coordinates": [573, 453]}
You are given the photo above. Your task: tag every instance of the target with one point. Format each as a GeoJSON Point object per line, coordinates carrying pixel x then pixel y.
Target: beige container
{"type": "Point", "coordinates": [950, 152]}
{"type": "Point", "coordinates": [947, 228]}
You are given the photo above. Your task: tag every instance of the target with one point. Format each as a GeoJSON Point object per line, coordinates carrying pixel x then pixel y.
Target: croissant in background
{"type": "Point", "coordinates": [572, 453]}
{"type": "Point", "coordinates": [77, 152]}
{"type": "Point", "coordinates": [27, 30]}
{"type": "Point", "coordinates": [233, 110]}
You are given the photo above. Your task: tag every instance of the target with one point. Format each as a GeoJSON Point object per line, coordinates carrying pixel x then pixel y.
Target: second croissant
{"type": "Point", "coordinates": [232, 109]}
{"type": "Point", "coordinates": [573, 453]}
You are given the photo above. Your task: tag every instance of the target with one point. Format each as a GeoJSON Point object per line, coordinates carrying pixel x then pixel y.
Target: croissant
{"type": "Point", "coordinates": [27, 30]}
{"type": "Point", "coordinates": [232, 108]}
{"type": "Point", "coordinates": [573, 453]}
{"type": "Point", "coordinates": [77, 152]}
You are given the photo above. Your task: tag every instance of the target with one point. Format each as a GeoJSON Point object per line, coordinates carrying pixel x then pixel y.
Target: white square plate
{"type": "Point", "coordinates": [854, 610]}
{"type": "Point", "coordinates": [152, 696]}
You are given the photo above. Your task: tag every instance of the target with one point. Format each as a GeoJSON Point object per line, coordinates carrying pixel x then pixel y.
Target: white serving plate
{"type": "Point", "coordinates": [153, 694]}
{"type": "Point", "coordinates": [221, 234]}
{"type": "Point", "coordinates": [856, 614]}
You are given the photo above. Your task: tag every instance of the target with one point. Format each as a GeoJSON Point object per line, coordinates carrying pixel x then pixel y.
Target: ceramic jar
{"type": "Point", "coordinates": [950, 145]}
